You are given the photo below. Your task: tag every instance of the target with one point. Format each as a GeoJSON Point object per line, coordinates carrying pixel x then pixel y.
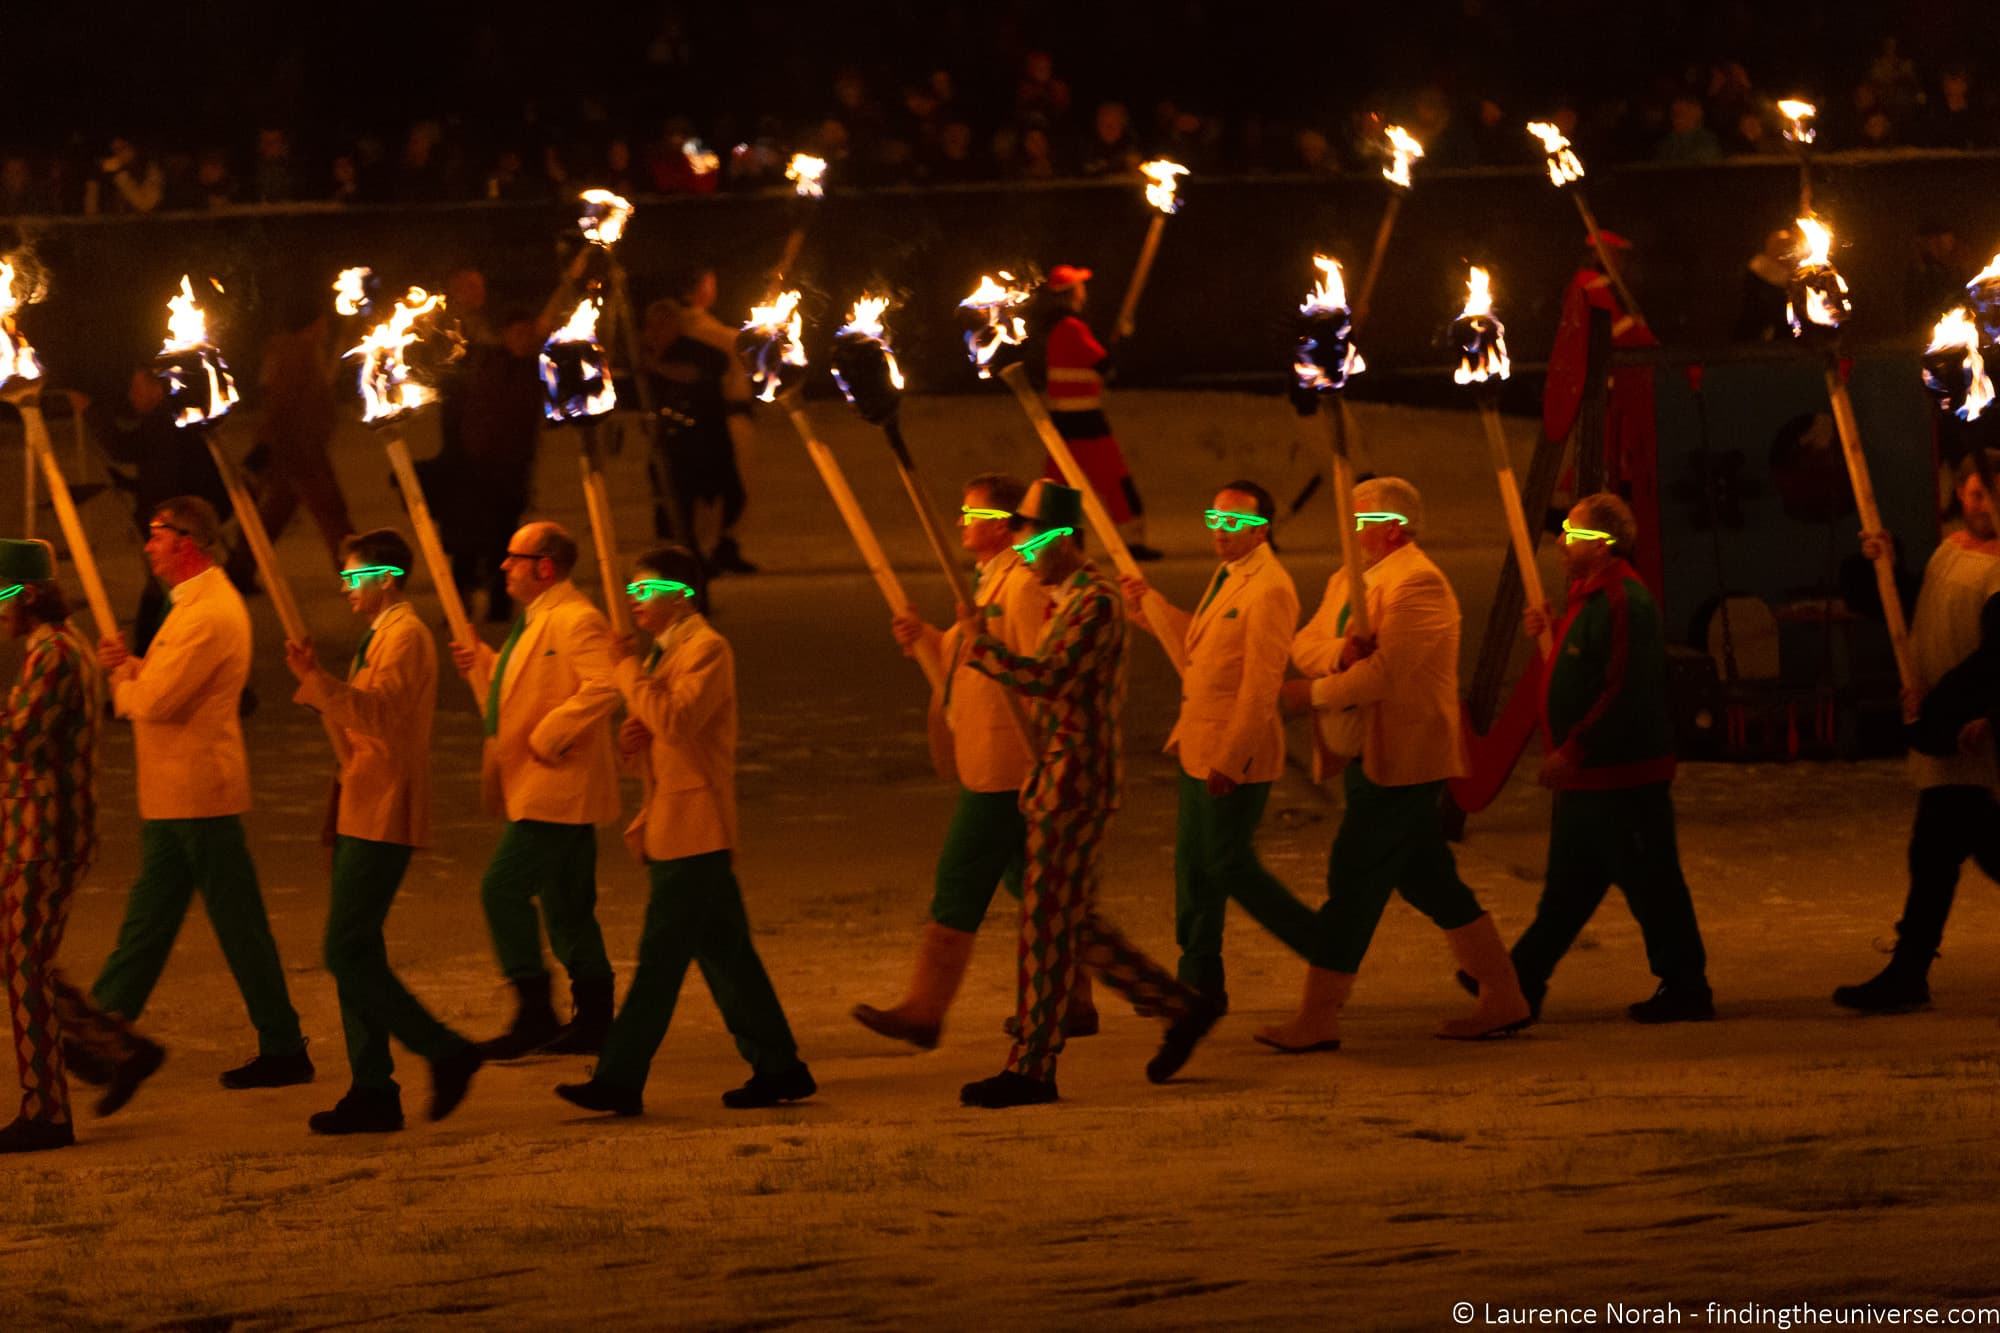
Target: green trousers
{"type": "Point", "coordinates": [556, 863]}
{"type": "Point", "coordinates": [176, 858]}
{"type": "Point", "coordinates": [1215, 859]}
{"type": "Point", "coordinates": [374, 1003]}
{"type": "Point", "coordinates": [695, 915]}
{"type": "Point", "coordinates": [1391, 840]}
{"type": "Point", "coordinates": [985, 846]}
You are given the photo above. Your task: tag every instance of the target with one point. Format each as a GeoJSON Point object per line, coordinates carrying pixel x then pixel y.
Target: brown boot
{"type": "Point", "coordinates": [942, 957]}
{"type": "Point", "coordinates": [1316, 1027]}
{"type": "Point", "coordinates": [1502, 1008]}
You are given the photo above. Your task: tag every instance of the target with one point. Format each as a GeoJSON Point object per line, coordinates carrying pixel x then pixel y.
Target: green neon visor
{"type": "Point", "coordinates": [1032, 547]}
{"type": "Point", "coordinates": [967, 513]}
{"type": "Point", "coordinates": [1571, 533]}
{"type": "Point", "coordinates": [1229, 520]}
{"type": "Point", "coordinates": [11, 591]}
{"type": "Point", "coordinates": [353, 577]}
{"type": "Point", "coordinates": [1367, 516]}
{"type": "Point", "coordinates": [646, 590]}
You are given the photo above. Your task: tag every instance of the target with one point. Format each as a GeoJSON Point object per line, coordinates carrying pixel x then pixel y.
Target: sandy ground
{"type": "Point", "coordinates": [1790, 1151]}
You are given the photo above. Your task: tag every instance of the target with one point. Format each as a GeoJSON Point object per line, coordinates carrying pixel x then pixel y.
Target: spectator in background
{"type": "Point", "coordinates": [1953, 121]}
{"type": "Point", "coordinates": [1497, 138]}
{"type": "Point", "coordinates": [1040, 95]}
{"type": "Point", "coordinates": [1935, 279]}
{"type": "Point", "coordinates": [1863, 103]}
{"type": "Point", "coordinates": [420, 172]}
{"type": "Point", "coordinates": [1434, 126]}
{"type": "Point", "coordinates": [22, 192]}
{"type": "Point", "coordinates": [1688, 138]}
{"type": "Point", "coordinates": [762, 161]}
{"type": "Point", "coordinates": [952, 162]}
{"type": "Point", "coordinates": [128, 181]}
{"type": "Point", "coordinates": [486, 480]}
{"type": "Point", "coordinates": [619, 176]}
{"type": "Point", "coordinates": [343, 180]}
{"type": "Point", "coordinates": [1752, 137]}
{"type": "Point", "coordinates": [214, 184]}
{"type": "Point", "coordinates": [1036, 158]}
{"type": "Point", "coordinates": [1312, 154]}
{"type": "Point", "coordinates": [1878, 131]}
{"type": "Point", "coordinates": [510, 181]}
{"type": "Point", "coordinates": [1895, 78]}
{"type": "Point", "coordinates": [1767, 280]}
{"type": "Point", "coordinates": [1111, 149]}
{"type": "Point", "coordinates": [273, 181]}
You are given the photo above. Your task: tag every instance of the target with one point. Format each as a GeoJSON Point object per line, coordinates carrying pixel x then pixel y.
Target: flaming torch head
{"type": "Point", "coordinates": [1817, 304]}
{"type": "Point", "coordinates": [804, 172]}
{"type": "Point", "coordinates": [1954, 369]}
{"type": "Point", "coordinates": [1565, 167]}
{"type": "Point", "coordinates": [1162, 183]}
{"type": "Point", "coordinates": [992, 319]}
{"type": "Point", "coordinates": [700, 160]}
{"type": "Point", "coordinates": [402, 357]}
{"type": "Point", "coordinates": [1798, 120]}
{"type": "Point", "coordinates": [863, 364]}
{"type": "Point", "coordinates": [1984, 293]}
{"type": "Point", "coordinates": [1403, 150]}
{"type": "Point", "coordinates": [17, 358]}
{"type": "Point", "coordinates": [1324, 357]}
{"type": "Point", "coordinates": [354, 292]}
{"type": "Point", "coordinates": [771, 346]}
{"type": "Point", "coordinates": [604, 217]}
{"type": "Point", "coordinates": [199, 385]}
{"type": "Point", "coordinates": [1478, 334]}
{"type": "Point", "coordinates": [575, 383]}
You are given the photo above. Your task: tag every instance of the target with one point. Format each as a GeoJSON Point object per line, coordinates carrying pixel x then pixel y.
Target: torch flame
{"type": "Point", "coordinates": [1817, 281]}
{"type": "Point", "coordinates": [1564, 165]}
{"type": "Point", "coordinates": [574, 347]}
{"type": "Point", "coordinates": [604, 217]}
{"type": "Point", "coordinates": [1799, 117]}
{"type": "Point", "coordinates": [386, 387]}
{"type": "Point", "coordinates": [804, 171]}
{"type": "Point", "coordinates": [350, 291]}
{"type": "Point", "coordinates": [17, 358]}
{"type": "Point", "coordinates": [1984, 292]}
{"type": "Point", "coordinates": [780, 326]}
{"type": "Point", "coordinates": [187, 325]}
{"type": "Point", "coordinates": [1403, 150]}
{"type": "Point", "coordinates": [1325, 357]}
{"type": "Point", "coordinates": [699, 159]}
{"type": "Point", "coordinates": [1957, 332]}
{"type": "Point", "coordinates": [865, 320]}
{"type": "Point", "coordinates": [1004, 326]}
{"type": "Point", "coordinates": [1819, 243]}
{"type": "Point", "coordinates": [1991, 273]}
{"type": "Point", "coordinates": [1330, 293]}
{"type": "Point", "coordinates": [1163, 180]}
{"type": "Point", "coordinates": [187, 339]}
{"type": "Point", "coordinates": [1482, 339]}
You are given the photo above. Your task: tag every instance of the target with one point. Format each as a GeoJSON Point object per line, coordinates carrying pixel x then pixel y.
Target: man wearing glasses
{"type": "Point", "coordinates": [985, 842]}
{"type": "Point", "coordinates": [1404, 680]}
{"type": "Point", "coordinates": [550, 768]}
{"type": "Point", "coordinates": [383, 813]}
{"type": "Point", "coordinates": [1230, 737]}
{"type": "Point", "coordinates": [194, 785]}
{"type": "Point", "coordinates": [681, 696]}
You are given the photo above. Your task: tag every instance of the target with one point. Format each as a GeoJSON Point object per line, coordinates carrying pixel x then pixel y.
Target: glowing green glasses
{"type": "Point", "coordinates": [1572, 533]}
{"type": "Point", "coordinates": [1367, 516]}
{"type": "Point", "coordinates": [1032, 547]}
{"type": "Point", "coordinates": [353, 577]}
{"type": "Point", "coordinates": [645, 590]}
{"type": "Point", "coordinates": [1228, 520]}
{"type": "Point", "coordinates": [9, 593]}
{"type": "Point", "coordinates": [968, 513]}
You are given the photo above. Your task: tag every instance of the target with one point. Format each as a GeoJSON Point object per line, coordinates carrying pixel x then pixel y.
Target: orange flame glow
{"type": "Point", "coordinates": [17, 358]}
{"type": "Point", "coordinates": [596, 395]}
{"type": "Point", "coordinates": [1482, 338]}
{"type": "Point", "coordinates": [1163, 180]}
{"type": "Point", "coordinates": [386, 387]}
{"type": "Point", "coordinates": [1564, 166]}
{"type": "Point", "coordinates": [1004, 326]}
{"type": "Point", "coordinates": [350, 291]}
{"type": "Point", "coordinates": [866, 319]}
{"type": "Point", "coordinates": [779, 320]}
{"type": "Point", "coordinates": [1403, 150]}
{"type": "Point", "coordinates": [804, 172]}
{"type": "Point", "coordinates": [604, 220]}
{"type": "Point", "coordinates": [1957, 332]}
{"type": "Point", "coordinates": [187, 338]}
{"type": "Point", "coordinates": [1798, 120]}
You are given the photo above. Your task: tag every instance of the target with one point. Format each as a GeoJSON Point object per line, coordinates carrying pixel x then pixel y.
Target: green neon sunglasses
{"type": "Point", "coordinates": [1572, 533]}
{"type": "Point", "coordinates": [1032, 547]}
{"type": "Point", "coordinates": [646, 590]}
{"type": "Point", "coordinates": [9, 593]}
{"type": "Point", "coordinates": [1367, 516]}
{"type": "Point", "coordinates": [1229, 520]}
{"type": "Point", "coordinates": [967, 513]}
{"type": "Point", "coordinates": [352, 577]}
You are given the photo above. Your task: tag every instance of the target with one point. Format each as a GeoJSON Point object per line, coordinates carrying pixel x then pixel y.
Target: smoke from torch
{"type": "Point", "coordinates": [199, 385]}
{"type": "Point", "coordinates": [17, 357]}
{"type": "Point", "coordinates": [1817, 302]}
{"type": "Point", "coordinates": [604, 217]}
{"type": "Point", "coordinates": [804, 172]}
{"type": "Point", "coordinates": [1798, 120]}
{"type": "Point", "coordinates": [1565, 167]}
{"type": "Point", "coordinates": [1163, 183]}
{"type": "Point", "coordinates": [1954, 370]}
{"type": "Point", "coordinates": [992, 319]}
{"type": "Point", "coordinates": [771, 345]}
{"type": "Point", "coordinates": [1479, 335]}
{"type": "Point", "coordinates": [388, 386]}
{"type": "Point", "coordinates": [864, 365]}
{"type": "Point", "coordinates": [574, 383]}
{"type": "Point", "coordinates": [1324, 358]}
{"type": "Point", "coordinates": [1403, 150]}
{"type": "Point", "coordinates": [1984, 293]}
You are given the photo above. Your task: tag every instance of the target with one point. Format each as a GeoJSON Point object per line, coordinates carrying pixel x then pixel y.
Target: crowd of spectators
{"type": "Point", "coordinates": [687, 111]}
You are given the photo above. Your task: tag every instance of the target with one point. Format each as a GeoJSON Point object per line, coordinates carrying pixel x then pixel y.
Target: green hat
{"type": "Point", "coordinates": [1049, 504]}
{"type": "Point", "coordinates": [28, 561]}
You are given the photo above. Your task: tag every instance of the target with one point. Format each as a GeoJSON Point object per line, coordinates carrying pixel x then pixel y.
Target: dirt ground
{"type": "Point", "coordinates": [1789, 1151]}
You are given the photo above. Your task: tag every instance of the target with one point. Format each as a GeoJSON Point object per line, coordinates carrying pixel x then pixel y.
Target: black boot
{"type": "Point", "coordinates": [596, 1096]}
{"type": "Point", "coordinates": [1007, 1089]}
{"type": "Point", "coordinates": [271, 1071]}
{"type": "Point", "coordinates": [361, 1111]}
{"type": "Point", "coordinates": [26, 1135]}
{"type": "Point", "coordinates": [794, 1085]}
{"type": "Point", "coordinates": [590, 1018]}
{"type": "Point", "coordinates": [139, 1065]}
{"type": "Point", "coordinates": [450, 1077]}
{"type": "Point", "coordinates": [534, 1026]}
{"type": "Point", "coordinates": [1901, 987]}
{"type": "Point", "coordinates": [1683, 1001]}
{"type": "Point", "coordinates": [1181, 1039]}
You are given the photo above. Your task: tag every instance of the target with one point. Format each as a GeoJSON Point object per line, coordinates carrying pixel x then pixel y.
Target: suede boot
{"type": "Point", "coordinates": [1501, 1007]}
{"type": "Point", "coordinates": [943, 954]}
{"type": "Point", "coordinates": [1316, 1027]}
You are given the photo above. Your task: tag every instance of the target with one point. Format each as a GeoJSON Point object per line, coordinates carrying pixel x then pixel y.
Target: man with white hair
{"type": "Point", "coordinates": [1404, 680]}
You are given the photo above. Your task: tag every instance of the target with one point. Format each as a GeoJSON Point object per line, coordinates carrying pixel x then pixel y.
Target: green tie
{"type": "Point", "coordinates": [500, 674]}
{"type": "Point", "coordinates": [361, 651]}
{"type": "Point", "coordinates": [1221, 577]}
{"type": "Point", "coordinates": [653, 659]}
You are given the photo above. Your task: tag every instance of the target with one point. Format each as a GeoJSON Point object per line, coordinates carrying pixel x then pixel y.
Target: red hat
{"type": "Point", "coordinates": [1611, 239]}
{"type": "Point", "coordinates": [1065, 276]}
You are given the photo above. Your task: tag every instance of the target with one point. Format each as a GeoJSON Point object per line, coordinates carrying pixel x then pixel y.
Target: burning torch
{"type": "Point", "coordinates": [1816, 307]}
{"type": "Point", "coordinates": [1565, 172]}
{"type": "Point", "coordinates": [1324, 359]}
{"type": "Point", "coordinates": [1162, 187]}
{"type": "Point", "coordinates": [1403, 150]}
{"type": "Point", "coordinates": [21, 384]}
{"type": "Point", "coordinates": [576, 390]}
{"type": "Point", "coordinates": [992, 319]}
{"type": "Point", "coordinates": [1984, 294]}
{"type": "Point", "coordinates": [807, 175]}
{"type": "Point", "coordinates": [1481, 341]}
{"type": "Point", "coordinates": [1800, 133]}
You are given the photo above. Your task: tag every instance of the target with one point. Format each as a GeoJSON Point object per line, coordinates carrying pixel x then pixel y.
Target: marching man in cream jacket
{"type": "Point", "coordinates": [383, 710]}
{"type": "Point", "coordinates": [1230, 737]}
{"type": "Point", "coordinates": [194, 785]}
{"type": "Point", "coordinates": [681, 696]}
{"type": "Point", "coordinates": [550, 768]}
{"type": "Point", "coordinates": [1391, 839]}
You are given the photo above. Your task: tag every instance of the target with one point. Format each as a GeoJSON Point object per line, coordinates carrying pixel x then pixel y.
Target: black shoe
{"type": "Point", "coordinates": [82, 1064]}
{"type": "Point", "coordinates": [1676, 1002]}
{"type": "Point", "coordinates": [1181, 1039]}
{"type": "Point", "coordinates": [727, 558]}
{"type": "Point", "coordinates": [1535, 994]}
{"type": "Point", "coordinates": [26, 1135]}
{"type": "Point", "coordinates": [1007, 1089]}
{"type": "Point", "coordinates": [1900, 988]}
{"type": "Point", "coordinates": [534, 1025]}
{"type": "Point", "coordinates": [1141, 551]}
{"type": "Point", "coordinates": [794, 1085]}
{"type": "Point", "coordinates": [271, 1071]}
{"type": "Point", "coordinates": [590, 1020]}
{"type": "Point", "coordinates": [450, 1077]}
{"type": "Point", "coordinates": [146, 1058]}
{"type": "Point", "coordinates": [361, 1111]}
{"type": "Point", "coordinates": [595, 1096]}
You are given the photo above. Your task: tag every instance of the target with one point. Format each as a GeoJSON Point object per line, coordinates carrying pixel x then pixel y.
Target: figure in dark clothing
{"type": "Point", "coordinates": [479, 482]}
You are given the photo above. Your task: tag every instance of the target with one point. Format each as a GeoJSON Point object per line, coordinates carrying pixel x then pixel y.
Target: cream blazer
{"type": "Point", "coordinates": [688, 702]}
{"type": "Point", "coordinates": [990, 751]}
{"type": "Point", "coordinates": [384, 707]}
{"type": "Point", "coordinates": [1237, 647]}
{"type": "Point", "coordinates": [1411, 680]}
{"type": "Point", "coordinates": [181, 698]}
{"type": "Point", "coordinates": [553, 758]}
